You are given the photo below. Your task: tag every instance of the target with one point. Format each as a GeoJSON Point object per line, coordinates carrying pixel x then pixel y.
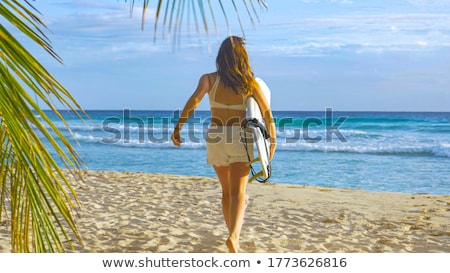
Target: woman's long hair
{"type": "Point", "coordinates": [234, 68]}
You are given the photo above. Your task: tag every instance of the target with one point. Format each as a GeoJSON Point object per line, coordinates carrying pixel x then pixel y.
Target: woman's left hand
{"type": "Point", "coordinates": [272, 150]}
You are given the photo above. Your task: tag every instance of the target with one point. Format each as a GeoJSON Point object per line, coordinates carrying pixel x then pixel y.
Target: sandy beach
{"type": "Point", "coordinates": [141, 212]}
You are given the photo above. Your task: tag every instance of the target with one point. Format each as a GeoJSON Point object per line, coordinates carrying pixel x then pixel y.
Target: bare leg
{"type": "Point", "coordinates": [237, 188]}
{"type": "Point", "coordinates": [223, 173]}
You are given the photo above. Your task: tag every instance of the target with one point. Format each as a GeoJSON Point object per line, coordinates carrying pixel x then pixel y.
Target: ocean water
{"type": "Point", "coordinates": [406, 152]}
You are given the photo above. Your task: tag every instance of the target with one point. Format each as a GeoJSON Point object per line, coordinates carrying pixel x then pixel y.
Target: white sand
{"type": "Point", "coordinates": [140, 212]}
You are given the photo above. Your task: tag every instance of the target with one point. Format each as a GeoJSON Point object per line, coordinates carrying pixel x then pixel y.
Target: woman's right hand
{"type": "Point", "coordinates": [176, 138]}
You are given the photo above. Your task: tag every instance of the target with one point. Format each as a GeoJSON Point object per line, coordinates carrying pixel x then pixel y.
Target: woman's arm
{"type": "Point", "coordinates": [268, 119]}
{"type": "Point", "coordinates": [191, 105]}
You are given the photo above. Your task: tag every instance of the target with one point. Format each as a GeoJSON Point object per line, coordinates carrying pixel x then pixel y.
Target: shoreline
{"type": "Point", "coordinates": [275, 183]}
{"type": "Point", "coordinates": [127, 212]}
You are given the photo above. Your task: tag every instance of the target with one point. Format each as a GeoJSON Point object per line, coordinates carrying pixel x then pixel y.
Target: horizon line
{"type": "Point", "coordinates": [273, 110]}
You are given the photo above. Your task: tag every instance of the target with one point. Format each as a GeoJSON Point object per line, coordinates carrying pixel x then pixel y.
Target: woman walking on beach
{"type": "Point", "coordinates": [228, 90]}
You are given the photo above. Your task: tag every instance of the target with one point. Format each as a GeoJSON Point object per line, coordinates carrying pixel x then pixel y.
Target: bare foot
{"type": "Point", "coordinates": [232, 245]}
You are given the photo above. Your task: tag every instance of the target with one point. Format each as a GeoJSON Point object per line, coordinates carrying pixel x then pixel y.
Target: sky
{"type": "Point", "coordinates": [350, 55]}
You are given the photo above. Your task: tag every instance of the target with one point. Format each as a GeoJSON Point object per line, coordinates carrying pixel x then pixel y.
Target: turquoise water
{"type": "Point", "coordinates": [376, 151]}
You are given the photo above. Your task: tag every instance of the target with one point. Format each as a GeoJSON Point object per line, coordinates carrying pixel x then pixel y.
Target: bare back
{"type": "Point", "coordinates": [224, 116]}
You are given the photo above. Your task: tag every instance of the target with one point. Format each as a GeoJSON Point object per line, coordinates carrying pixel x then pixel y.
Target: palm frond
{"type": "Point", "coordinates": [40, 197]}
{"type": "Point", "coordinates": [175, 9]}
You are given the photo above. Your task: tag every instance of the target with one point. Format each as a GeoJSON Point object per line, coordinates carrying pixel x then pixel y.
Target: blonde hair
{"type": "Point", "coordinates": [234, 68]}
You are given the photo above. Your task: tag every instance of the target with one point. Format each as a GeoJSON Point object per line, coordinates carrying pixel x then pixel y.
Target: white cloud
{"type": "Point", "coordinates": [349, 40]}
{"type": "Point", "coordinates": [394, 28]}
{"type": "Point", "coordinates": [343, 2]}
{"type": "Point", "coordinates": [374, 33]}
{"type": "Point", "coordinates": [430, 3]}
{"type": "Point", "coordinates": [422, 43]}
{"type": "Point", "coordinates": [96, 29]}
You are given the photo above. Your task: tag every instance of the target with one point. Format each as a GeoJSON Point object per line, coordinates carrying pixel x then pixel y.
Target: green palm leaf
{"type": "Point", "coordinates": [34, 187]}
{"type": "Point", "coordinates": [175, 9]}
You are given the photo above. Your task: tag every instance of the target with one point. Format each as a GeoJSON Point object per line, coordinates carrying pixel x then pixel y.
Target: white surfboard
{"type": "Point", "coordinates": [261, 168]}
